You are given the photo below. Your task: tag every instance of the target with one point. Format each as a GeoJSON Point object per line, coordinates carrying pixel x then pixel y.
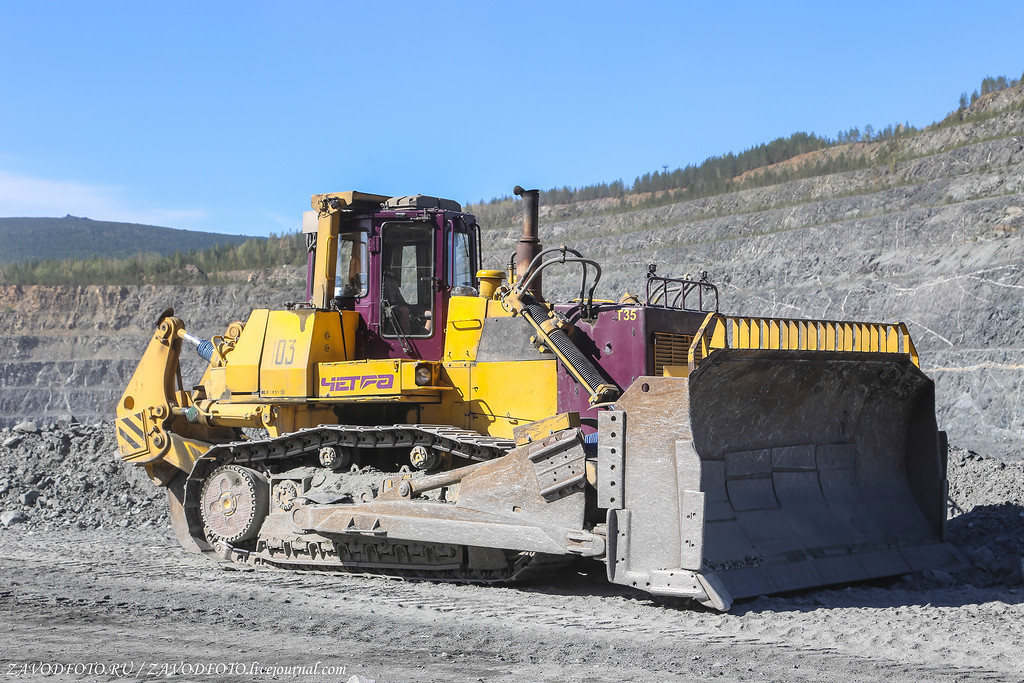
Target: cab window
{"type": "Point", "coordinates": [407, 280]}
{"type": "Point", "coordinates": [460, 262]}
{"type": "Point", "coordinates": [350, 276]}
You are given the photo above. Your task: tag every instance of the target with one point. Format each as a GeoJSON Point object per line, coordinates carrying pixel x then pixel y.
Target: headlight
{"type": "Point", "coordinates": [424, 375]}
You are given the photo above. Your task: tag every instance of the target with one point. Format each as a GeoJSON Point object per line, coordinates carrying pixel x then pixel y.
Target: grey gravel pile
{"type": "Point", "coordinates": [986, 517]}
{"type": "Point", "coordinates": [68, 474]}
{"type": "Point", "coordinates": [978, 480]}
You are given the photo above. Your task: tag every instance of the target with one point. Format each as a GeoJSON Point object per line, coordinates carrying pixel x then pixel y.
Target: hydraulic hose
{"type": "Point", "coordinates": [578, 365]}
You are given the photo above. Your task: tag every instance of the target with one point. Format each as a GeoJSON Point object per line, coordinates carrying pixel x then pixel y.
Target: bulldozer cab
{"type": "Point", "coordinates": [395, 261]}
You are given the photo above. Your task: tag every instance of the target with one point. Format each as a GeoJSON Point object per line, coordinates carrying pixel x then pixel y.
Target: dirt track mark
{"type": "Point", "coordinates": [144, 599]}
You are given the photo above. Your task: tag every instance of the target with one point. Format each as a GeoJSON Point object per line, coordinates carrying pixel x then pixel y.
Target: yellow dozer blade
{"type": "Point", "coordinates": [766, 471]}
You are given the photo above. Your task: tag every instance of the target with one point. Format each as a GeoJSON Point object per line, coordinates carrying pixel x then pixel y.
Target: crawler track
{"type": "Point", "coordinates": [356, 554]}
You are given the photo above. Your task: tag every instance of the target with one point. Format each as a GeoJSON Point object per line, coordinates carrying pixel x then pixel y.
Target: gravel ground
{"type": "Point", "coordinates": [91, 576]}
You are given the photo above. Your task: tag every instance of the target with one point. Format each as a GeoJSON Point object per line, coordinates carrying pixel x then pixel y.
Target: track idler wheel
{"type": "Point", "coordinates": [235, 501]}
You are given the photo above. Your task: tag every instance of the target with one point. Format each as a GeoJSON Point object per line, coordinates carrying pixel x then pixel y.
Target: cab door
{"type": "Point", "coordinates": [422, 264]}
{"type": "Point", "coordinates": [409, 290]}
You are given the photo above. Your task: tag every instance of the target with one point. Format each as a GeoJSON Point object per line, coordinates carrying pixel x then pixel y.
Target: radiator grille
{"type": "Point", "coordinates": [670, 349]}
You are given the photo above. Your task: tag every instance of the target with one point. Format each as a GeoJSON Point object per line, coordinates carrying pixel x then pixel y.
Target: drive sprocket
{"type": "Point", "coordinates": [235, 500]}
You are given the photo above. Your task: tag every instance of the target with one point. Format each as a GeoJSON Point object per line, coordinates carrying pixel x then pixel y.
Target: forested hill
{"type": "Point", "coordinates": [79, 251]}
{"type": "Point", "coordinates": [37, 239]}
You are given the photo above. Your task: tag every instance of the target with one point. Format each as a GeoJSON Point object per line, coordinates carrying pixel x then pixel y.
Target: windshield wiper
{"type": "Point", "coordinates": [399, 332]}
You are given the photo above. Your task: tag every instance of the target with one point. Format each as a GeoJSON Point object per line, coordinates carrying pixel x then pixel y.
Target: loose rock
{"type": "Point", "coordinates": [26, 427]}
{"type": "Point", "coordinates": [12, 517]}
{"type": "Point", "coordinates": [29, 498]}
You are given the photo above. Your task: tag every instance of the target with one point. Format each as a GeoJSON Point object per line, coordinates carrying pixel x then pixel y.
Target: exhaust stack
{"type": "Point", "coordinates": [529, 244]}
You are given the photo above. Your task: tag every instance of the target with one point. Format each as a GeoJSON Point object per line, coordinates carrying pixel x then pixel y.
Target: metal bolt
{"type": "Point", "coordinates": [405, 489]}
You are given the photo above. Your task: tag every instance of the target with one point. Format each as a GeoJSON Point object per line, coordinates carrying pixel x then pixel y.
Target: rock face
{"type": "Point", "coordinates": [71, 350]}
{"type": "Point", "coordinates": [933, 238]}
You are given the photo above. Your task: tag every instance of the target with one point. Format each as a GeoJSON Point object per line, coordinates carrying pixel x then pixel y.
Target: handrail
{"type": "Point", "coordinates": [671, 292]}
{"type": "Point", "coordinates": [738, 332]}
{"type": "Point", "coordinates": [539, 263]}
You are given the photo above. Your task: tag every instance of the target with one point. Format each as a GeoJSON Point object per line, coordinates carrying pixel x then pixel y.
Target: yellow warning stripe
{"type": "Point", "coordinates": [131, 433]}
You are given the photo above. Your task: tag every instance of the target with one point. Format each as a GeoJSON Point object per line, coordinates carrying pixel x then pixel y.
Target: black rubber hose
{"type": "Point", "coordinates": [561, 341]}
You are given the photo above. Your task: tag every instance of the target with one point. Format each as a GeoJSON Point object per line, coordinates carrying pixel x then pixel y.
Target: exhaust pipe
{"type": "Point", "coordinates": [529, 244]}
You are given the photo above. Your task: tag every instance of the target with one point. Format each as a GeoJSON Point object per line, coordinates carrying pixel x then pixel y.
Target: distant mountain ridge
{"type": "Point", "coordinates": [36, 239]}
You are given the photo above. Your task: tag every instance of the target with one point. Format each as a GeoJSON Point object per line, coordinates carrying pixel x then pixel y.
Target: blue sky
{"type": "Point", "coordinates": [227, 116]}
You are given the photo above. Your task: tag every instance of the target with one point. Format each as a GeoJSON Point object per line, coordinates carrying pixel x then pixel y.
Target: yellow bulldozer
{"type": "Point", "coordinates": [418, 416]}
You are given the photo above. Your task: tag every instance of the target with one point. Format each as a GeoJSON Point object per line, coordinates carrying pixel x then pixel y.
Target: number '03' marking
{"type": "Point", "coordinates": [284, 352]}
